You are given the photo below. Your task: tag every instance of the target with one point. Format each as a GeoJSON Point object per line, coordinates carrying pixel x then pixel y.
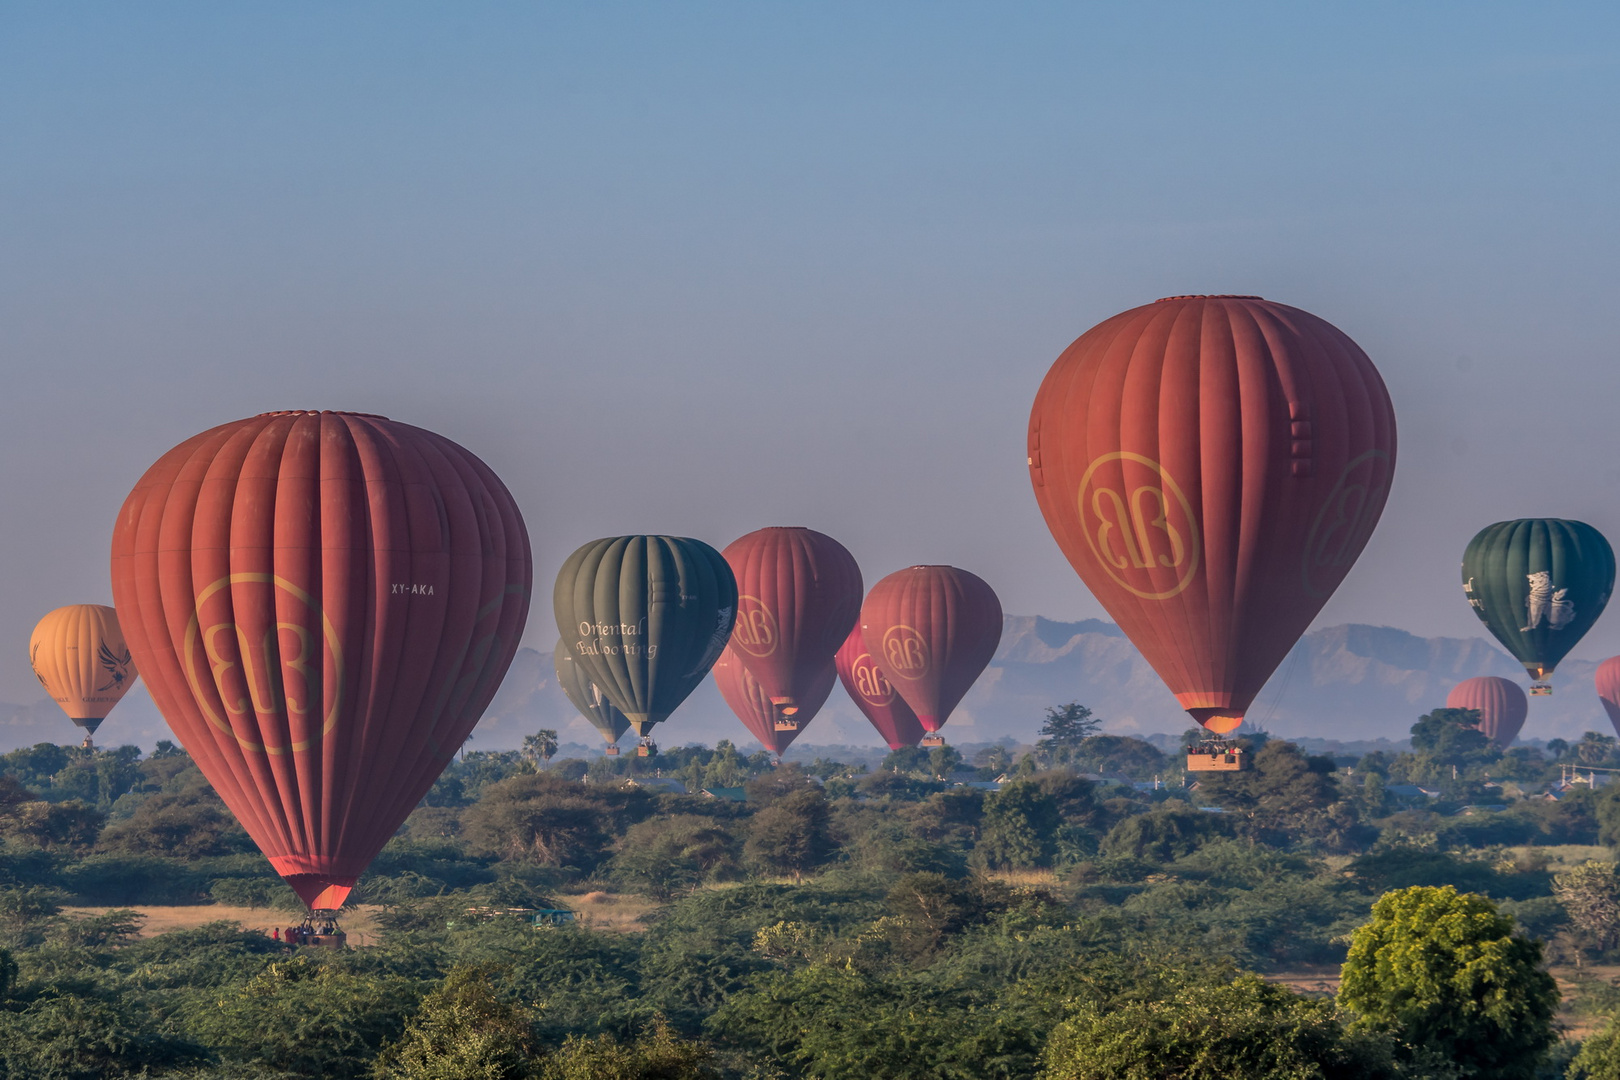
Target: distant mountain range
{"type": "Point", "coordinates": [1349, 682]}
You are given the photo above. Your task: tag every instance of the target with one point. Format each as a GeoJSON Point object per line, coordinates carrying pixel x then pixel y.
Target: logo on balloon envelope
{"type": "Point", "coordinates": [1345, 522]}
{"type": "Point", "coordinates": [1139, 525]}
{"type": "Point", "coordinates": [906, 652]}
{"type": "Point", "coordinates": [257, 647]}
{"type": "Point", "coordinates": [755, 630]}
{"type": "Point", "coordinates": [869, 681]}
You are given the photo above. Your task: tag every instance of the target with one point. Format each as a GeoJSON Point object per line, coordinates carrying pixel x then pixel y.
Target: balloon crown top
{"type": "Point", "coordinates": [321, 412]}
{"type": "Point", "coordinates": [1208, 296]}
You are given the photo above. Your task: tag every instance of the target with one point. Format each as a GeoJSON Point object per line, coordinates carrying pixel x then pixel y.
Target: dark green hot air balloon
{"type": "Point", "coordinates": [645, 617]}
{"type": "Point", "coordinates": [592, 704]}
{"type": "Point", "coordinates": [1539, 584]}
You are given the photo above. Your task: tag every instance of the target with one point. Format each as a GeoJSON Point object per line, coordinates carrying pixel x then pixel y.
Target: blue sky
{"type": "Point", "coordinates": [700, 268]}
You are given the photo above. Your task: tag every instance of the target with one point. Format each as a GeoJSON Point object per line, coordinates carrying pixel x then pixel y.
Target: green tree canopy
{"type": "Point", "coordinates": [1248, 1029]}
{"type": "Point", "coordinates": [1445, 974]}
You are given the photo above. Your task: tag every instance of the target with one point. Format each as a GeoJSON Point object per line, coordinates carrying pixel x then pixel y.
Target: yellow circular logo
{"type": "Point", "coordinates": [755, 630]}
{"type": "Point", "coordinates": [1139, 525]}
{"type": "Point", "coordinates": [869, 681]}
{"type": "Point", "coordinates": [905, 652]}
{"type": "Point", "coordinates": [251, 659]}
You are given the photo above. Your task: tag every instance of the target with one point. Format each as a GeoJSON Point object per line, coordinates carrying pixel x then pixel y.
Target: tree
{"type": "Point", "coordinates": [463, 1031]}
{"type": "Point", "coordinates": [1064, 730]}
{"type": "Point", "coordinates": [1249, 1028]}
{"type": "Point", "coordinates": [1590, 894]}
{"type": "Point", "coordinates": [790, 835]}
{"type": "Point", "coordinates": [1445, 974]}
{"type": "Point", "coordinates": [659, 1054]}
{"type": "Point", "coordinates": [1451, 737]}
{"type": "Point", "coordinates": [72, 825]}
{"type": "Point", "coordinates": [1020, 827]}
{"type": "Point", "coordinates": [1285, 791]}
{"type": "Point", "coordinates": [665, 856]}
{"type": "Point", "coordinates": [1164, 834]}
{"type": "Point", "coordinates": [539, 747]}
{"type": "Point", "coordinates": [192, 824]}
{"type": "Point", "coordinates": [1599, 1057]}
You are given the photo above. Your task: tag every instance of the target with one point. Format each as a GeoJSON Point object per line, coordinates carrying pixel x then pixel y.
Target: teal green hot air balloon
{"type": "Point", "coordinates": [592, 704]}
{"type": "Point", "coordinates": [645, 617]}
{"type": "Point", "coordinates": [1539, 584]}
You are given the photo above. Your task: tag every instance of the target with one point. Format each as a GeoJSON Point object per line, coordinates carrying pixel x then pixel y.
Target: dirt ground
{"type": "Point", "coordinates": [360, 924]}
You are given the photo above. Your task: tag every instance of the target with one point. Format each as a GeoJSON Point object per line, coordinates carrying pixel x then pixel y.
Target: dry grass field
{"type": "Point", "coordinates": [617, 912]}
{"type": "Point", "coordinates": [359, 924]}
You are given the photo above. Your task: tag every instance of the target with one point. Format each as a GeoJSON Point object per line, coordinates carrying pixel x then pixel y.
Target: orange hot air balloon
{"type": "Point", "coordinates": [79, 656]}
{"type": "Point", "coordinates": [874, 695]}
{"type": "Point", "coordinates": [1501, 703]}
{"type": "Point", "coordinates": [1212, 466]}
{"type": "Point", "coordinates": [322, 605]}
{"type": "Point", "coordinates": [932, 631]}
{"type": "Point", "coordinates": [753, 705]}
{"type": "Point", "coordinates": [798, 597]}
{"type": "Point", "coordinates": [1608, 689]}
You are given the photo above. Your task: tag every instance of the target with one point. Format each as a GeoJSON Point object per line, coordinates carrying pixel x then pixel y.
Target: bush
{"type": "Point", "coordinates": [1249, 1028]}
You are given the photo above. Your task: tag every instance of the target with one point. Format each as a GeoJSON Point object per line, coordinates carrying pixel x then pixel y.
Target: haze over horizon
{"type": "Point", "coordinates": [708, 269]}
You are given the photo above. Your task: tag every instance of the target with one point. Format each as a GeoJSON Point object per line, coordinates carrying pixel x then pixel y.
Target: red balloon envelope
{"type": "Point", "coordinates": [798, 595]}
{"type": "Point", "coordinates": [875, 696]}
{"type": "Point", "coordinates": [1608, 689]}
{"type": "Point", "coordinates": [1501, 703]}
{"type": "Point", "coordinates": [1212, 466]}
{"type": "Point", "coordinates": [322, 605]}
{"type": "Point", "coordinates": [752, 703]}
{"type": "Point", "coordinates": [932, 630]}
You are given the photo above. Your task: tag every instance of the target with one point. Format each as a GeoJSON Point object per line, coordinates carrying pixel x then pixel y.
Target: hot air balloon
{"type": "Point", "coordinates": [585, 696]}
{"type": "Point", "coordinates": [79, 656]}
{"type": "Point", "coordinates": [645, 617]}
{"type": "Point", "coordinates": [932, 630]}
{"type": "Point", "coordinates": [798, 596]}
{"type": "Point", "coordinates": [1502, 706]}
{"type": "Point", "coordinates": [1212, 466]}
{"type": "Point", "coordinates": [754, 706]}
{"type": "Point", "coordinates": [874, 695]}
{"type": "Point", "coordinates": [1538, 585]}
{"type": "Point", "coordinates": [1608, 689]}
{"type": "Point", "coordinates": [322, 605]}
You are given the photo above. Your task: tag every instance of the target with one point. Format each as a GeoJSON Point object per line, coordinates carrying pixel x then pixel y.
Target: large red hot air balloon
{"type": "Point", "coordinates": [1501, 703]}
{"type": "Point", "coordinates": [1212, 466]}
{"type": "Point", "coordinates": [1608, 689]}
{"type": "Point", "coordinates": [875, 696]}
{"type": "Point", "coordinates": [932, 630]}
{"type": "Point", "coordinates": [752, 703]}
{"type": "Point", "coordinates": [322, 605]}
{"type": "Point", "coordinates": [798, 596]}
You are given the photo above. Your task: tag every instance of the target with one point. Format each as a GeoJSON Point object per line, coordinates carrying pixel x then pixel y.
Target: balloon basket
{"type": "Point", "coordinates": [648, 748]}
{"type": "Point", "coordinates": [1216, 755]}
{"type": "Point", "coordinates": [612, 751]}
{"type": "Point", "coordinates": [933, 740]}
{"type": "Point", "coordinates": [1541, 689]}
{"type": "Point", "coordinates": [787, 725]}
{"type": "Point", "coordinates": [319, 930]}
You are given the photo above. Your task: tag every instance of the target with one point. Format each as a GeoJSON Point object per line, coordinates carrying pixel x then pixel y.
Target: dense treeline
{"type": "Point", "coordinates": [1097, 914]}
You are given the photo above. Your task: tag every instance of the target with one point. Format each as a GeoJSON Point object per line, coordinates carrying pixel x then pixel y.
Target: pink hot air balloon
{"type": "Point", "coordinates": [1501, 703]}
{"type": "Point", "coordinates": [874, 696]}
{"type": "Point", "coordinates": [752, 703]}
{"type": "Point", "coordinates": [932, 631]}
{"type": "Point", "coordinates": [1608, 688]}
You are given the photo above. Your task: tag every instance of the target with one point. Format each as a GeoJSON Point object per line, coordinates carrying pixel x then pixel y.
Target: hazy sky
{"type": "Point", "coordinates": [699, 268]}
